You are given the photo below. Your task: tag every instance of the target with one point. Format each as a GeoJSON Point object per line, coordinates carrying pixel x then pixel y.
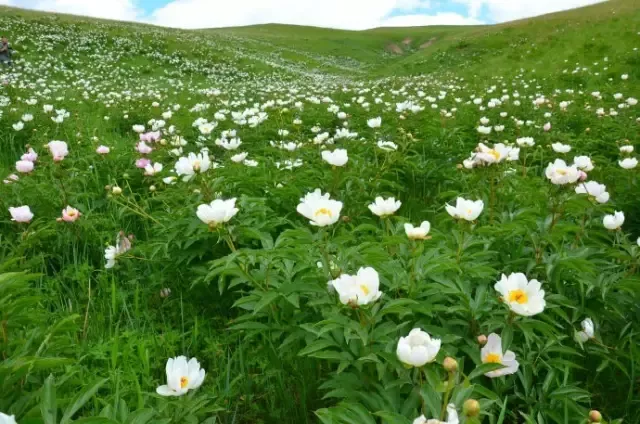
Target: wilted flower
{"type": "Point", "coordinates": [70, 214]}
{"type": "Point", "coordinates": [182, 376]}
{"type": "Point", "coordinates": [360, 289]}
{"type": "Point", "coordinates": [418, 348]}
{"type": "Point", "coordinates": [385, 207]}
{"type": "Point", "coordinates": [613, 222]}
{"type": "Point", "coordinates": [217, 212]}
{"type": "Point", "coordinates": [468, 210]}
{"type": "Point", "coordinates": [319, 208]}
{"type": "Point", "coordinates": [588, 331]}
{"type": "Point", "coordinates": [492, 353]}
{"type": "Point", "coordinates": [560, 173]}
{"type": "Point", "coordinates": [418, 233]}
{"type": "Point", "coordinates": [338, 157]}
{"type": "Point", "coordinates": [21, 214]}
{"type": "Point", "coordinates": [522, 296]}
{"type": "Point", "coordinates": [387, 145]}
{"type": "Point", "coordinates": [111, 253]}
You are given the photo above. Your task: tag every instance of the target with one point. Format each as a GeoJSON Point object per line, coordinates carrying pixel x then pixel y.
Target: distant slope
{"type": "Point", "coordinates": [585, 34]}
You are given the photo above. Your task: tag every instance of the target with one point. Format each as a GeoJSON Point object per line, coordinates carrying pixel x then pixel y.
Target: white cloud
{"type": "Point", "coordinates": [509, 10]}
{"type": "Point", "coordinates": [124, 10]}
{"type": "Point", "coordinates": [347, 14]}
{"type": "Point", "coordinates": [424, 20]}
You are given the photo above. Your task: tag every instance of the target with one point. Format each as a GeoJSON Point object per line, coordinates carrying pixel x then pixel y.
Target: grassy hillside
{"type": "Point", "coordinates": [378, 227]}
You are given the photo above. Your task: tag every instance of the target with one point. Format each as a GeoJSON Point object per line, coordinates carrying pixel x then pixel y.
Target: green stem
{"type": "Point", "coordinates": [447, 394]}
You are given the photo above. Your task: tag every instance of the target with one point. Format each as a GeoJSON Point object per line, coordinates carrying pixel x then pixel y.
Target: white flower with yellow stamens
{"type": "Point", "coordinates": [522, 296]}
{"type": "Point", "coordinates": [319, 208]}
{"type": "Point", "coordinates": [492, 353]}
{"type": "Point", "coordinates": [360, 289]}
{"type": "Point", "coordinates": [182, 376]}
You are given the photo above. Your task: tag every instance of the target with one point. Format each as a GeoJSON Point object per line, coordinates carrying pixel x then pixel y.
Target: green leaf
{"type": "Point", "coordinates": [266, 299]}
{"type": "Point", "coordinates": [48, 405]}
{"type": "Point", "coordinates": [316, 346]}
{"type": "Point", "coordinates": [81, 399]}
{"type": "Point", "coordinates": [483, 369]}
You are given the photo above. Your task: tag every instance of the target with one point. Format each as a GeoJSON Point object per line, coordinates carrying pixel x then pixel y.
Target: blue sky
{"type": "Point", "coordinates": [347, 14]}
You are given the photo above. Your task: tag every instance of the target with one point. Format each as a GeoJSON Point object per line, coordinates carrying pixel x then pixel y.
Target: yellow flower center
{"type": "Point", "coordinates": [364, 289]}
{"type": "Point", "coordinates": [518, 296]}
{"type": "Point", "coordinates": [562, 171]}
{"type": "Point", "coordinates": [494, 153]}
{"type": "Point", "coordinates": [196, 165]}
{"type": "Point", "coordinates": [184, 381]}
{"type": "Point", "coordinates": [323, 211]}
{"type": "Point", "coordinates": [71, 213]}
{"type": "Point", "coordinates": [493, 358]}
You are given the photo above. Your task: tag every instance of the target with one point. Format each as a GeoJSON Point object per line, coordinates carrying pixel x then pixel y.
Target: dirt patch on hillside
{"type": "Point", "coordinates": [407, 41]}
{"type": "Point", "coordinates": [394, 48]}
{"type": "Point", "coordinates": [428, 43]}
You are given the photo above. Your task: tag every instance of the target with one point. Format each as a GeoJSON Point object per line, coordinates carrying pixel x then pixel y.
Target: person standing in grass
{"type": "Point", "coordinates": [5, 51]}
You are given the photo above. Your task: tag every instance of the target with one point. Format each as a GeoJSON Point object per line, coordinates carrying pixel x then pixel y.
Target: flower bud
{"type": "Point", "coordinates": [164, 293]}
{"type": "Point", "coordinates": [152, 188]}
{"type": "Point", "coordinates": [595, 416]}
{"type": "Point", "coordinates": [471, 408]}
{"type": "Point", "coordinates": [116, 190]}
{"type": "Point", "coordinates": [107, 187]}
{"type": "Point", "coordinates": [482, 339]}
{"type": "Point", "coordinates": [450, 364]}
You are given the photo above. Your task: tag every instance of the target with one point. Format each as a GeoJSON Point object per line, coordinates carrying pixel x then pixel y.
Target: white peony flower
{"type": "Point", "coordinates": [594, 189]}
{"type": "Point", "coordinates": [217, 212]}
{"type": "Point", "coordinates": [417, 233]}
{"type": "Point", "coordinates": [523, 297]}
{"type": "Point", "coordinates": [492, 353]}
{"type": "Point", "coordinates": [338, 157]}
{"type": "Point", "coordinates": [319, 208]}
{"type": "Point", "coordinates": [385, 207]}
{"type": "Point", "coordinates": [588, 331]}
{"type": "Point", "coordinates": [468, 210]}
{"type": "Point", "coordinates": [182, 376]}
{"type": "Point", "coordinates": [560, 173]}
{"type": "Point", "coordinates": [613, 222]}
{"type": "Point", "coordinates": [360, 289]}
{"type": "Point", "coordinates": [418, 348]}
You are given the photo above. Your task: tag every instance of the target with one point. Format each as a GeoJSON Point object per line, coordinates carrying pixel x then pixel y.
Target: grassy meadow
{"type": "Point", "coordinates": [392, 226]}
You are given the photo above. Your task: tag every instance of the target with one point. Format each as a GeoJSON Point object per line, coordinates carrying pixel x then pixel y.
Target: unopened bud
{"type": "Point", "coordinates": [107, 187]}
{"type": "Point", "coordinates": [164, 293]}
{"type": "Point", "coordinates": [450, 364]}
{"type": "Point", "coordinates": [595, 416]}
{"type": "Point", "coordinates": [152, 188]}
{"type": "Point", "coordinates": [482, 339]}
{"type": "Point", "coordinates": [471, 408]}
{"type": "Point", "coordinates": [116, 190]}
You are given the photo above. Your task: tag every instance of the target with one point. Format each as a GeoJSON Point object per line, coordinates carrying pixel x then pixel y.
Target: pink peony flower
{"type": "Point", "coordinates": [582, 175]}
{"type": "Point", "coordinates": [142, 163]}
{"type": "Point", "coordinates": [21, 214]}
{"type": "Point", "coordinates": [24, 166]}
{"type": "Point", "coordinates": [31, 156]}
{"type": "Point", "coordinates": [58, 149]}
{"type": "Point", "coordinates": [547, 126]}
{"type": "Point", "coordinates": [102, 150]}
{"type": "Point", "coordinates": [143, 148]}
{"type": "Point", "coordinates": [70, 214]}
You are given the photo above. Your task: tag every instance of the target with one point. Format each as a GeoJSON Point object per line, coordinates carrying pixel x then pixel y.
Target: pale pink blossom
{"type": "Point", "coordinates": [31, 155]}
{"type": "Point", "coordinates": [103, 150]}
{"type": "Point", "coordinates": [142, 163]}
{"type": "Point", "coordinates": [24, 166]}
{"type": "Point", "coordinates": [70, 214]}
{"type": "Point", "coordinates": [143, 148]}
